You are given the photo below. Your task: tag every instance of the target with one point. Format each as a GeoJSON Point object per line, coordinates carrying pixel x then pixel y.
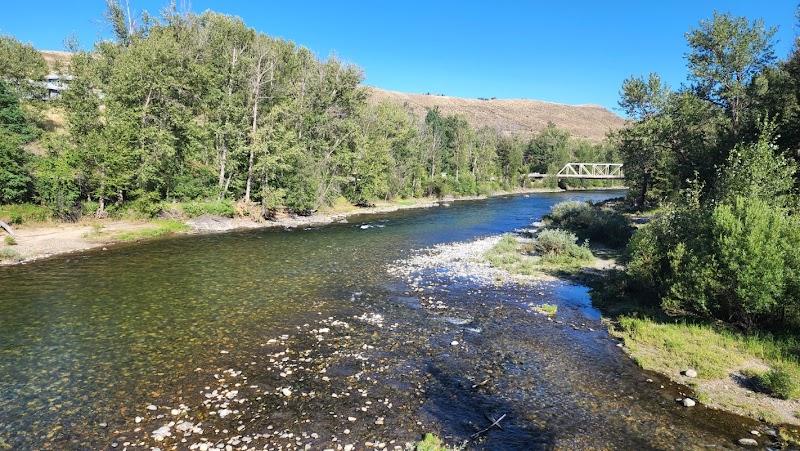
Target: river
{"type": "Point", "coordinates": [292, 339]}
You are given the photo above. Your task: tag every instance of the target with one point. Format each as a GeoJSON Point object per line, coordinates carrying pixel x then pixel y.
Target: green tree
{"type": "Point", "coordinates": [726, 54]}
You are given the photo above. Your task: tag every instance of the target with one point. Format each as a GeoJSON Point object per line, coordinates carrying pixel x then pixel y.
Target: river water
{"type": "Point", "coordinates": [302, 339]}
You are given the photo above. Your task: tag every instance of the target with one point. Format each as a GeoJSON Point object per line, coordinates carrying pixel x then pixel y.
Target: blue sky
{"type": "Point", "coordinates": [568, 51]}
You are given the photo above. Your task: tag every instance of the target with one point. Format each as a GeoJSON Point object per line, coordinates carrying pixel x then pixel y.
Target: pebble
{"type": "Point", "coordinates": [454, 343]}
{"type": "Point", "coordinates": [690, 373]}
{"type": "Point", "coordinates": [138, 419]}
{"type": "Point", "coordinates": [756, 433]}
{"type": "Point", "coordinates": [689, 402]}
{"type": "Point", "coordinates": [152, 407]}
{"type": "Point", "coordinates": [748, 442]}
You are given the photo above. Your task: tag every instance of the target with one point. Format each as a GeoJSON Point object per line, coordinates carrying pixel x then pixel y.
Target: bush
{"type": "Point", "coordinates": [222, 207]}
{"type": "Point", "coordinates": [780, 382]}
{"type": "Point", "coordinates": [736, 262]}
{"type": "Point", "coordinates": [8, 254]}
{"type": "Point", "coordinates": [89, 208]}
{"type": "Point", "coordinates": [9, 240]}
{"type": "Point", "coordinates": [591, 222]}
{"type": "Point", "coordinates": [560, 243]}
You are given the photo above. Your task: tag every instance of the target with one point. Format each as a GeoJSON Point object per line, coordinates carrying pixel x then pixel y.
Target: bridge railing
{"type": "Point", "coordinates": [587, 171]}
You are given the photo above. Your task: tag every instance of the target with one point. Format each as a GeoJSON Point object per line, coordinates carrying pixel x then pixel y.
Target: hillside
{"type": "Point", "coordinates": [512, 116]}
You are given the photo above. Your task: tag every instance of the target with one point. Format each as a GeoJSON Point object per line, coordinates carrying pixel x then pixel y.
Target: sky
{"type": "Point", "coordinates": [575, 52]}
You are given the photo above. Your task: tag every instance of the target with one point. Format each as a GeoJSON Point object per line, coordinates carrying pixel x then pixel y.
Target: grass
{"type": "Point", "coordinates": [8, 254]}
{"type": "Point", "coordinates": [162, 227]}
{"type": "Point", "coordinates": [9, 240]}
{"type": "Point", "coordinates": [546, 309]}
{"type": "Point", "coordinates": [25, 213]}
{"type": "Point", "coordinates": [430, 442]}
{"type": "Point", "coordinates": [528, 259]}
{"type": "Point", "coordinates": [781, 382]}
{"type": "Point", "coordinates": [715, 353]}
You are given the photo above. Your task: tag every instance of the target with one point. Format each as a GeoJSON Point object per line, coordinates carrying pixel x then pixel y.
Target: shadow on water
{"type": "Point", "coordinates": [461, 411]}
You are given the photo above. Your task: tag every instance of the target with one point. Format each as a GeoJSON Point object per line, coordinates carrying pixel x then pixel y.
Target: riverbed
{"type": "Point", "coordinates": [310, 338]}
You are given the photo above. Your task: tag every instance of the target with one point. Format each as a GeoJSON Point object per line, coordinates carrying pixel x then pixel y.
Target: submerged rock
{"type": "Point", "coordinates": [748, 442]}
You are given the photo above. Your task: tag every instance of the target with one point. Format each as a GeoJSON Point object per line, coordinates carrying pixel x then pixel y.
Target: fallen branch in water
{"type": "Point", "coordinates": [487, 428]}
{"type": "Point", "coordinates": [480, 384]}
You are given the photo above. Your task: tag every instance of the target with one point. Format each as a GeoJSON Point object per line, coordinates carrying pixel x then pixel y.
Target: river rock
{"type": "Point", "coordinates": [748, 442]}
{"type": "Point", "coordinates": [689, 402]}
{"type": "Point", "coordinates": [690, 373]}
{"type": "Point", "coordinates": [211, 223]}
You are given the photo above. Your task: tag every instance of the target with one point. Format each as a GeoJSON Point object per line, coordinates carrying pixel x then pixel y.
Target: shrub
{"type": "Point", "coordinates": [9, 240]}
{"type": "Point", "coordinates": [8, 254]}
{"type": "Point", "coordinates": [560, 242]}
{"type": "Point", "coordinates": [591, 222]}
{"type": "Point", "coordinates": [89, 208]}
{"type": "Point", "coordinates": [736, 262]}
{"type": "Point", "coordinates": [147, 204]}
{"type": "Point", "coordinates": [222, 207]}
{"type": "Point", "coordinates": [780, 382]}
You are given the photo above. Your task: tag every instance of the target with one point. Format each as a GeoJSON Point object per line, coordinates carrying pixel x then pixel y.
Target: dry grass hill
{"type": "Point", "coordinates": [508, 116]}
{"type": "Point", "coordinates": [512, 116]}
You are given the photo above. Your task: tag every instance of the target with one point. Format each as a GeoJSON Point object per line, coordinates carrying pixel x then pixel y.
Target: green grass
{"type": "Point", "coordinates": [430, 442]}
{"type": "Point", "coordinates": [714, 353]}
{"type": "Point", "coordinates": [9, 240]}
{"type": "Point", "coordinates": [781, 382]}
{"type": "Point", "coordinates": [25, 213]}
{"type": "Point", "coordinates": [546, 309]}
{"type": "Point", "coordinates": [161, 228]}
{"type": "Point", "coordinates": [224, 208]}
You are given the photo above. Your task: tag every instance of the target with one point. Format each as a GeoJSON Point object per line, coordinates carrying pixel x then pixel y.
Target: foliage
{"type": "Point", "coordinates": [217, 208]}
{"type": "Point", "coordinates": [591, 222]}
{"type": "Point", "coordinates": [25, 213]}
{"type": "Point", "coordinates": [560, 246]}
{"type": "Point", "coordinates": [8, 254]}
{"type": "Point", "coordinates": [21, 65]}
{"type": "Point", "coordinates": [782, 382]}
{"type": "Point", "coordinates": [9, 240]}
{"type": "Point", "coordinates": [546, 309]}
{"type": "Point", "coordinates": [156, 229]}
{"type": "Point", "coordinates": [430, 442]}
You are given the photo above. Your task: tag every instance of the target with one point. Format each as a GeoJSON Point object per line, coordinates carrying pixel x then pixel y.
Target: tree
{"type": "Point", "coordinates": [22, 67]}
{"type": "Point", "coordinates": [726, 54]}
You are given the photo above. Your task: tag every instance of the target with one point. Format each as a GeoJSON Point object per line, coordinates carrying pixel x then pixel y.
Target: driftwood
{"type": "Point", "coordinates": [8, 229]}
{"type": "Point", "coordinates": [494, 423]}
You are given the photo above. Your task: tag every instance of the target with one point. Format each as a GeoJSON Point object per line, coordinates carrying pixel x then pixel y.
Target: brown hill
{"type": "Point", "coordinates": [512, 116]}
{"type": "Point", "coordinates": [56, 60]}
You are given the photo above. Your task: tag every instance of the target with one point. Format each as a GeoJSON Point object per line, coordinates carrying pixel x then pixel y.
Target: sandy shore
{"type": "Point", "coordinates": [39, 241]}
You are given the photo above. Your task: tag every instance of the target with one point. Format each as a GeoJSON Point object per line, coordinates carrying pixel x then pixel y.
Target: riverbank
{"type": "Point", "coordinates": [40, 240]}
{"type": "Point", "coordinates": [752, 374]}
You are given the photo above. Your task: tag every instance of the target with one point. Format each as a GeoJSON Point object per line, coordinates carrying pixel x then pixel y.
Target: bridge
{"type": "Point", "coordinates": [585, 171]}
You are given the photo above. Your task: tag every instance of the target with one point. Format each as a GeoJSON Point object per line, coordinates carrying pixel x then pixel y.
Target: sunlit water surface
{"type": "Point", "coordinates": [88, 341]}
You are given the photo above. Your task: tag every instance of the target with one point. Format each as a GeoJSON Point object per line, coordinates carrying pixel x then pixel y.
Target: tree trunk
{"type": "Point", "coordinates": [254, 128]}
{"type": "Point", "coordinates": [643, 193]}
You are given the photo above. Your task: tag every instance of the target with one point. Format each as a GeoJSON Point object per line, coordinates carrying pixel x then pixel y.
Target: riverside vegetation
{"type": "Point", "coordinates": [186, 114]}
{"type": "Point", "coordinates": [711, 282]}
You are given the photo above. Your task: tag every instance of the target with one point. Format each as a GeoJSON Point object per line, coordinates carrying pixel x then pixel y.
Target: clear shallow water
{"type": "Point", "coordinates": [88, 341]}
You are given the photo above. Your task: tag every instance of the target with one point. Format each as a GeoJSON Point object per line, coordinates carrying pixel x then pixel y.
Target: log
{"type": "Point", "coordinates": [8, 229]}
